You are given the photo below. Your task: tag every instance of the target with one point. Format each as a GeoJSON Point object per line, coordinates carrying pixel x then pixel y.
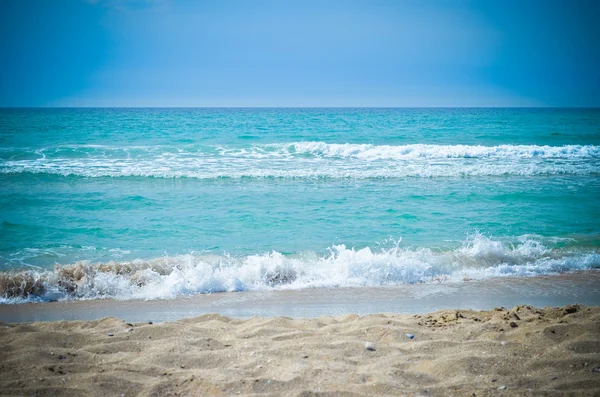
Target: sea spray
{"type": "Point", "coordinates": [479, 257]}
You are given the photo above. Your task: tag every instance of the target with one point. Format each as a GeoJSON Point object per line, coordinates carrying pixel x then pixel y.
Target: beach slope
{"type": "Point", "coordinates": [518, 351]}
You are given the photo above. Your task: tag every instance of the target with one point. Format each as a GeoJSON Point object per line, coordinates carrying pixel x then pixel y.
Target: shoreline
{"type": "Point", "coordinates": [337, 342]}
{"type": "Point", "coordinates": [540, 291]}
{"type": "Point", "coordinates": [516, 352]}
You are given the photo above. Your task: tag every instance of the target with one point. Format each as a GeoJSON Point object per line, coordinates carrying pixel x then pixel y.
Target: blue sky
{"type": "Point", "coordinates": [299, 53]}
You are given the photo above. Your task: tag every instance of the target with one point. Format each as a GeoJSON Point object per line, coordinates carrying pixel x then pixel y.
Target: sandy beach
{"type": "Point", "coordinates": [518, 351]}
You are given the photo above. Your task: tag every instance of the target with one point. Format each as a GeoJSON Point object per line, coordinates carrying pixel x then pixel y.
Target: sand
{"type": "Point", "coordinates": [552, 290]}
{"type": "Point", "coordinates": [522, 351]}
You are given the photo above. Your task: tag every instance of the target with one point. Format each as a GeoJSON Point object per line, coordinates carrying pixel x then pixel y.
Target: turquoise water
{"type": "Point", "coordinates": [163, 202]}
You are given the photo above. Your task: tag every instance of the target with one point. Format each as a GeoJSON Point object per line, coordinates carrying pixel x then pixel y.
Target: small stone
{"type": "Point", "coordinates": [513, 324]}
{"type": "Point", "coordinates": [370, 346]}
{"type": "Point", "coordinates": [502, 387]}
{"type": "Point", "coordinates": [129, 324]}
{"type": "Point", "coordinates": [111, 334]}
{"type": "Point", "coordinates": [150, 322]}
{"type": "Point", "coordinates": [504, 343]}
{"type": "Point", "coordinates": [554, 377]}
{"type": "Point", "coordinates": [410, 336]}
{"type": "Point", "coordinates": [182, 366]}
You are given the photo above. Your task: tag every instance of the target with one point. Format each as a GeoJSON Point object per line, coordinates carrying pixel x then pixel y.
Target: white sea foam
{"type": "Point", "coordinates": [420, 151]}
{"type": "Point", "coordinates": [306, 160]}
{"type": "Point", "coordinates": [479, 257]}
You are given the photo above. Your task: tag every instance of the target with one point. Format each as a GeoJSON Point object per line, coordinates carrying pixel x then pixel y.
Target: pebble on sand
{"type": "Point", "coordinates": [370, 346]}
{"type": "Point", "coordinates": [410, 336]}
{"type": "Point", "coordinates": [111, 334]}
{"type": "Point", "coordinates": [502, 388]}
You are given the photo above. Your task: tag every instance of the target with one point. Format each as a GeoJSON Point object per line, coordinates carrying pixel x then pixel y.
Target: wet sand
{"type": "Point", "coordinates": [557, 290]}
{"type": "Point", "coordinates": [518, 352]}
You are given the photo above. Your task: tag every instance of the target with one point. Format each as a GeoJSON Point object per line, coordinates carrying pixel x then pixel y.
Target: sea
{"type": "Point", "coordinates": [134, 203]}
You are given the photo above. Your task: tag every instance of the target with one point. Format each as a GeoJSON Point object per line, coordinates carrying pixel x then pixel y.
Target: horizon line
{"type": "Point", "coordinates": [300, 107]}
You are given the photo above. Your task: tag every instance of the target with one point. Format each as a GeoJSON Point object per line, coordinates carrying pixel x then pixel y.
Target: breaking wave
{"type": "Point", "coordinates": [479, 257]}
{"type": "Point", "coordinates": [417, 151]}
{"type": "Point", "coordinates": [303, 160]}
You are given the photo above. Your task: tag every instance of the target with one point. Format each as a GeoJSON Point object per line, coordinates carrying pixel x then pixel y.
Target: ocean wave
{"type": "Point", "coordinates": [420, 151]}
{"type": "Point", "coordinates": [303, 160]}
{"type": "Point", "coordinates": [479, 257]}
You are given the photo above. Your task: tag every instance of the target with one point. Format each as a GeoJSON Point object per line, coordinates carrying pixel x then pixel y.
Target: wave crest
{"type": "Point", "coordinates": [421, 151]}
{"type": "Point", "coordinates": [312, 160]}
{"type": "Point", "coordinates": [479, 257]}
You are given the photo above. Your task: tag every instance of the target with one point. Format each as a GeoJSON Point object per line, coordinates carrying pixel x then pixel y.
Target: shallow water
{"type": "Point", "coordinates": [189, 201]}
{"type": "Point", "coordinates": [580, 288]}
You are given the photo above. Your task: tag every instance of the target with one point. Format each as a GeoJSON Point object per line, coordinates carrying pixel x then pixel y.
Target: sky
{"type": "Point", "coordinates": [220, 53]}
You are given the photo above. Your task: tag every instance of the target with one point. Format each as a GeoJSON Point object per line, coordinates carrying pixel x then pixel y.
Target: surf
{"type": "Point", "coordinates": [479, 257]}
{"type": "Point", "coordinates": [303, 160]}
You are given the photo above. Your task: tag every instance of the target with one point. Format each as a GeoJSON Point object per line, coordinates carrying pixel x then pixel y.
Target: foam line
{"type": "Point", "coordinates": [479, 257]}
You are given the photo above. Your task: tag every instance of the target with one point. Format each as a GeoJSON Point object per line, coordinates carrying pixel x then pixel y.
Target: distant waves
{"type": "Point", "coordinates": [303, 160]}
